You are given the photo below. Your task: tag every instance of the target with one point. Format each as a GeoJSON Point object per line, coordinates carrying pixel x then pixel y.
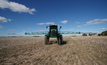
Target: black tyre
{"type": "Point", "coordinates": [46, 40]}
{"type": "Point", "coordinates": [60, 40]}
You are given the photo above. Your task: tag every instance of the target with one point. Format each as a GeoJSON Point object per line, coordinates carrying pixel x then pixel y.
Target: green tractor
{"type": "Point", "coordinates": [54, 33]}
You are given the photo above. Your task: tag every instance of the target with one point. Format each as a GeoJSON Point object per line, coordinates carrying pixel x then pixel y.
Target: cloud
{"type": "Point", "coordinates": [3, 19]}
{"type": "Point", "coordinates": [15, 7]}
{"type": "Point", "coordinates": [95, 21]}
{"type": "Point", "coordinates": [90, 22]}
{"type": "Point", "coordinates": [48, 23]}
{"type": "Point", "coordinates": [65, 21]}
{"type": "Point", "coordinates": [103, 19]}
{"type": "Point", "coordinates": [1, 26]}
{"type": "Point", "coordinates": [79, 26]}
{"type": "Point", "coordinates": [98, 22]}
{"type": "Point", "coordinates": [103, 28]}
{"type": "Point", "coordinates": [9, 19]}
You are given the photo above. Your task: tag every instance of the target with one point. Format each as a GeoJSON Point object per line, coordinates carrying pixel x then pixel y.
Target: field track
{"type": "Point", "coordinates": [74, 51]}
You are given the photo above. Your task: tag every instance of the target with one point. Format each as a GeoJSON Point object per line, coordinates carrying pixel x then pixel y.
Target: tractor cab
{"type": "Point", "coordinates": [53, 33]}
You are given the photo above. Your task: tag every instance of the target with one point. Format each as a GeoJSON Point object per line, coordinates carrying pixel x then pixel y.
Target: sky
{"type": "Point", "coordinates": [19, 16]}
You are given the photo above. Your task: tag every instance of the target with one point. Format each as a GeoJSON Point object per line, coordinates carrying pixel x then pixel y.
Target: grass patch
{"type": "Point", "coordinates": [73, 53]}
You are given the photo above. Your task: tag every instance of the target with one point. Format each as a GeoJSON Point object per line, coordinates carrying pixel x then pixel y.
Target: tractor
{"type": "Point", "coordinates": [54, 33]}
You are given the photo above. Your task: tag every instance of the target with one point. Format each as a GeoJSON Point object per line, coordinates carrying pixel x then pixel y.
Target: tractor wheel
{"type": "Point", "coordinates": [46, 40]}
{"type": "Point", "coordinates": [60, 40]}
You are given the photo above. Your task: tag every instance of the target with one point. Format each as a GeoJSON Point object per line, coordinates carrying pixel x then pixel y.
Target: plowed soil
{"type": "Point", "coordinates": [74, 51]}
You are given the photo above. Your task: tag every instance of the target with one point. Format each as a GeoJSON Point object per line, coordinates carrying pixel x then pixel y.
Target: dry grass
{"type": "Point", "coordinates": [74, 51]}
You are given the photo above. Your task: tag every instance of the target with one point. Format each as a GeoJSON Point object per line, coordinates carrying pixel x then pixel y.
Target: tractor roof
{"type": "Point", "coordinates": [53, 25]}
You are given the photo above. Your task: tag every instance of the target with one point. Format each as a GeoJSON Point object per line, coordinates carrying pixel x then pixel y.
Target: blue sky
{"type": "Point", "coordinates": [19, 16]}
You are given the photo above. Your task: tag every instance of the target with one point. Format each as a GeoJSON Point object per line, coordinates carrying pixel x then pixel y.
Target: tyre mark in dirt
{"type": "Point", "coordinates": [89, 59]}
{"type": "Point", "coordinates": [77, 60]}
{"type": "Point", "coordinates": [81, 55]}
{"type": "Point", "coordinates": [96, 60]}
{"type": "Point", "coordinates": [79, 63]}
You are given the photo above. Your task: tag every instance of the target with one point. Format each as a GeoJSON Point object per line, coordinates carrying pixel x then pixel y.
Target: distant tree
{"type": "Point", "coordinates": [84, 34]}
{"type": "Point", "coordinates": [25, 33]}
{"type": "Point", "coordinates": [90, 34]}
{"type": "Point", "coordinates": [99, 34]}
{"type": "Point", "coordinates": [104, 33]}
{"type": "Point", "coordinates": [79, 32]}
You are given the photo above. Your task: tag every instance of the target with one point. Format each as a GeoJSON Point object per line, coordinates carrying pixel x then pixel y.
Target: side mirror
{"type": "Point", "coordinates": [60, 26]}
{"type": "Point", "coordinates": [46, 26]}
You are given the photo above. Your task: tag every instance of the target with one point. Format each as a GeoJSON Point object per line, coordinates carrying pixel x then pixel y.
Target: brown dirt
{"type": "Point", "coordinates": [74, 51]}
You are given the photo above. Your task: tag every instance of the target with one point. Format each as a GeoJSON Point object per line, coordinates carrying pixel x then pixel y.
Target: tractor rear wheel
{"type": "Point", "coordinates": [60, 40]}
{"type": "Point", "coordinates": [46, 40]}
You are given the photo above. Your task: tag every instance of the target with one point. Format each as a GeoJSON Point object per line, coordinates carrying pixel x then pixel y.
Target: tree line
{"type": "Point", "coordinates": [104, 33]}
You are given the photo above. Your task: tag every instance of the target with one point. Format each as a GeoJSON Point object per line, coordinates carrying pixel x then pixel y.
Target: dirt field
{"type": "Point", "coordinates": [74, 51]}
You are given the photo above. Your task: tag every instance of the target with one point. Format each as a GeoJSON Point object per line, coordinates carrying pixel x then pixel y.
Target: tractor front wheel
{"type": "Point", "coordinates": [60, 40]}
{"type": "Point", "coordinates": [46, 40]}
